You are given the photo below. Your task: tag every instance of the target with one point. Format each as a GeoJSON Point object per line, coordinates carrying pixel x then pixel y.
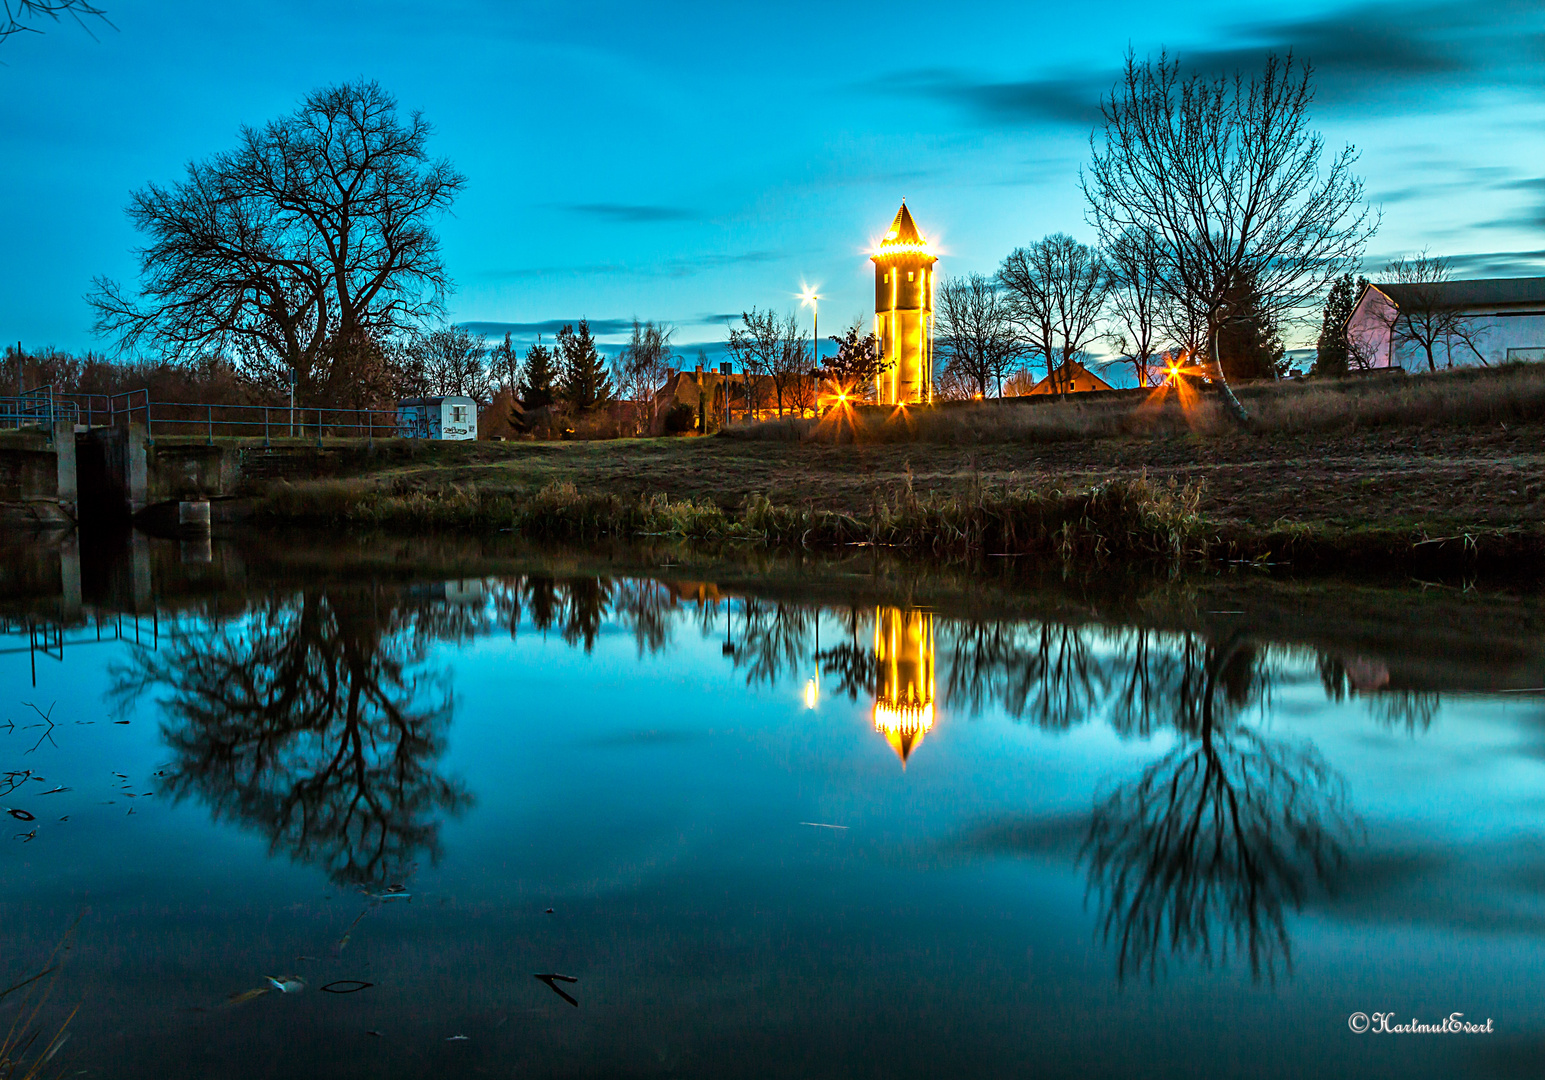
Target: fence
{"type": "Point", "coordinates": [175, 418]}
{"type": "Point", "coordinates": [39, 407]}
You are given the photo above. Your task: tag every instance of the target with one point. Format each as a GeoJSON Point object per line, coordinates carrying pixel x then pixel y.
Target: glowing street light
{"type": "Point", "coordinates": [813, 298]}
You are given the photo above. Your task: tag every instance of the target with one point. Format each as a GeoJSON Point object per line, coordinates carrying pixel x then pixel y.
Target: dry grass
{"type": "Point", "coordinates": [1514, 394]}
{"type": "Point", "coordinates": [1129, 519]}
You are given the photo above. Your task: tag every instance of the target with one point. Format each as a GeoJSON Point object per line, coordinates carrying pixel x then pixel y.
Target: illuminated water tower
{"type": "Point", "coordinates": [903, 653]}
{"type": "Point", "coordinates": [903, 312]}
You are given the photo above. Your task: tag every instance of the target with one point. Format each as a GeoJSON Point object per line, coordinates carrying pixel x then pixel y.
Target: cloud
{"type": "Point", "coordinates": [1379, 58]}
{"type": "Point", "coordinates": [630, 214]}
{"type": "Point", "coordinates": [678, 267]}
{"type": "Point", "coordinates": [547, 327]}
{"type": "Point", "coordinates": [601, 328]}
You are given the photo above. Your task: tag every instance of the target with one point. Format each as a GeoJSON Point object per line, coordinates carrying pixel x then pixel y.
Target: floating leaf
{"type": "Point", "coordinates": [245, 996]}
{"type": "Point", "coordinates": [20, 815]}
{"type": "Point", "coordinates": [346, 986]}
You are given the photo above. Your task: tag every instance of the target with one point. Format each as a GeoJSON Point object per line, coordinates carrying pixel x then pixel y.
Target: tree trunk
{"type": "Point", "coordinates": [1231, 403]}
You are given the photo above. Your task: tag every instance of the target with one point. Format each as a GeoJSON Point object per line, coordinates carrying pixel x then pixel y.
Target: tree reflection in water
{"type": "Point", "coordinates": [1204, 853]}
{"type": "Point", "coordinates": [311, 720]}
{"type": "Point", "coordinates": [314, 720]}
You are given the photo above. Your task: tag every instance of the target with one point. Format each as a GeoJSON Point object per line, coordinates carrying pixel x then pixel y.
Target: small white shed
{"type": "Point", "coordinates": [451, 417]}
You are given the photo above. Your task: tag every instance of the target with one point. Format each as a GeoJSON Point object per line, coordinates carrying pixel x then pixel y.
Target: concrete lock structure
{"type": "Point", "coordinates": [903, 312]}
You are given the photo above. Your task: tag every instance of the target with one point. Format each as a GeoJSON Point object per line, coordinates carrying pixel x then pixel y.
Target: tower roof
{"type": "Point", "coordinates": [903, 229]}
{"type": "Point", "coordinates": [903, 237]}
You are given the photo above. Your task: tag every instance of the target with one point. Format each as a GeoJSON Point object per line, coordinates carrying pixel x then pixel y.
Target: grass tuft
{"type": "Point", "coordinates": [1124, 518]}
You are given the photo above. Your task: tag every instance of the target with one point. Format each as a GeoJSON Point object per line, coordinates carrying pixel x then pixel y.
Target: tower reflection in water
{"type": "Point", "coordinates": [904, 677]}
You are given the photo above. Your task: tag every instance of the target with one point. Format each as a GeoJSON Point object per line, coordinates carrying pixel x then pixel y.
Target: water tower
{"type": "Point", "coordinates": [903, 312]}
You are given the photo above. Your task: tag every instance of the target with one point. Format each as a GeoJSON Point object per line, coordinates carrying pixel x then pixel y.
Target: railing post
{"type": "Point", "coordinates": [319, 429]}
{"type": "Point", "coordinates": [370, 420]}
{"type": "Point", "coordinates": [150, 438]}
{"type": "Point", "coordinates": [209, 425]}
{"type": "Point", "coordinates": [266, 441]}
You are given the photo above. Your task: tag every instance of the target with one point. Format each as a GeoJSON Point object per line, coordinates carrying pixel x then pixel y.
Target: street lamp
{"type": "Point", "coordinates": [811, 297]}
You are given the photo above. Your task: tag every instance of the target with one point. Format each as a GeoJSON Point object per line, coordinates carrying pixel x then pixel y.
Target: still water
{"type": "Point", "coordinates": [810, 820]}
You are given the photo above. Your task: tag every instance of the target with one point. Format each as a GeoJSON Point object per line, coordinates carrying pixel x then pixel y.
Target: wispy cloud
{"type": "Point", "coordinates": [678, 267]}
{"type": "Point", "coordinates": [547, 327]}
{"type": "Point", "coordinates": [632, 214]}
{"type": "Point", "coordinates": [1378, 58]}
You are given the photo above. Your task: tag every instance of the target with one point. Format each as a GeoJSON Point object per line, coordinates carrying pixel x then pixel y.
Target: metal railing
{"type": "Point", "coordinates": [193, 419]}
{"type": "Point", "coordinates": [212, 421]}
{"type": "Point", "coordinates": [39, 407]}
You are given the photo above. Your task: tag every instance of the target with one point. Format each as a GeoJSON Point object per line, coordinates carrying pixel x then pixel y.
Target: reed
{"type": "Point", "coordinates": [1123, 518]}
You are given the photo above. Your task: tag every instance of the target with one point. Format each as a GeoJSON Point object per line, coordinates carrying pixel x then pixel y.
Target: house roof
{"type": "Point", "coordinates": [1074, 377]}
{"type": "Point", "coordinates": [1483, 292]}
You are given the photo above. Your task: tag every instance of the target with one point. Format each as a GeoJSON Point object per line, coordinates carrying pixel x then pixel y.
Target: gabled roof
{"type": "Point", "coordinates": [1483, 292]}
{"type": "Point", "coordinates": [1073, 377]}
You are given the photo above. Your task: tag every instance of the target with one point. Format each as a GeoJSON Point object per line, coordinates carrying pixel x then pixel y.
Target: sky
{"type": "Point", "coordinates": [684, 162]}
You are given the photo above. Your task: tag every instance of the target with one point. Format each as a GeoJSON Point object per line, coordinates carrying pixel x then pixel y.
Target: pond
{"type": "Point", "coordinates": [319, 807]}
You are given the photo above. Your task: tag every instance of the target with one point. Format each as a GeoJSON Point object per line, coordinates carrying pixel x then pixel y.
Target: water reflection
{"type": "Point", "coordinates": [313, 720]}
{"type": "Point", "coordinates": [1208, 849]}
{"type": "Point", "coordinates": [904, 663]}
{"type": "Point", "coordinates": [318, 718]}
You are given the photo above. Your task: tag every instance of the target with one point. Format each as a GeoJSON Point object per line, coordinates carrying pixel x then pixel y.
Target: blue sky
{"type": "Point", "coordinates": [686, 161]}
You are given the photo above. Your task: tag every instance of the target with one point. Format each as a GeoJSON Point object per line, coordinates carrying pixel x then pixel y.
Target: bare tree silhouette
{"type": "Point", "coordinates": [311, 720]}
{"type": "Point", "coordinates": [1207, 850]}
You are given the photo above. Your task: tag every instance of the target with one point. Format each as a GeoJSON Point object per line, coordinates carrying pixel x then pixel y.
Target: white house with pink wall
{"type": "Point", "coordinates": [1504, 317]}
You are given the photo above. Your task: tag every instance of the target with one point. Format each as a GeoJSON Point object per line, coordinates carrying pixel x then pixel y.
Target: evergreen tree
{"type": "Point", "coordinates": [1333, 351]}
{"type": "Point", "coordinates": [538, 379]}
{"type": "Point", "coordinates": [1249, 343]}
{"type": "Point", "coordinates": [583, 381]}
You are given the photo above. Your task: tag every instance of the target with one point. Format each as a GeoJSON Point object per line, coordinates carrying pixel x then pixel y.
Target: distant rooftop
{"type": "Point", "coordinates": [1483, 292]}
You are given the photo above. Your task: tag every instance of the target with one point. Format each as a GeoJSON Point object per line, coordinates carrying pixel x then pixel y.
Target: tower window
{"type": "Point", "coordinates": [887, 277]}
{"type": "Point", "coordinates": [909, 275]}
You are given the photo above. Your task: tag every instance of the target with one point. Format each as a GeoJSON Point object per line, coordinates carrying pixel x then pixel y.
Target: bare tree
{"type": "Point", "coordinates": [504, 366]}
{"type": "Point", "coordinates": [314, 234]}
{"type": "Point", "coordinates": [975, 332]}
{"type": "Point", "coordinates": [1056, 290]}
{"type": "Point", "coordinates": [450, 360]}
{"type": "Point", "coordinates": [643, 367]}
{"type": "Point", "coordinates": [1134, 301]}
{"type": "Point", "coordinates": [754, 344]}
{"type": "Point", "coordinates": [1223, 180]}
{"type": "Point", "coordinates": [1424, 317]}
{"type": "Point", "coordinates": [18, 16]}
{"type": "Point", "coordinates": [790, 373]}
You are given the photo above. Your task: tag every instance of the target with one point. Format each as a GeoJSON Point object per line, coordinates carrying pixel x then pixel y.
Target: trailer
{"type": "Point", "coordinates": [452, 417]}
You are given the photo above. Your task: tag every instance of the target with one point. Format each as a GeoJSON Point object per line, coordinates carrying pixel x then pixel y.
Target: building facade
{"type": "Point", "coordinates": [1494, 321]}
{"type": "Point", "coordinates": [903, 312]}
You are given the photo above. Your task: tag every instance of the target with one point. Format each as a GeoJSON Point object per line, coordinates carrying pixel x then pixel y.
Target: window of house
{"type": "Point", "coordinates": [1526, 356]}
{"type": "Point", "coordinates": [458, 414]}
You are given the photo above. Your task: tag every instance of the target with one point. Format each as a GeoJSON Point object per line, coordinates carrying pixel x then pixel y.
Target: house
{"type": "Point", "coordinates": [749, 396]}
{"type": "Point", "coordinates": [1071, 378]}
{"type": "Point", "coordinates": [1490, 321]}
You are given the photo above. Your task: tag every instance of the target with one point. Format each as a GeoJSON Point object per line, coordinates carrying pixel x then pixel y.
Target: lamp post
{"type": "Point", "coordinates": [813, 298]}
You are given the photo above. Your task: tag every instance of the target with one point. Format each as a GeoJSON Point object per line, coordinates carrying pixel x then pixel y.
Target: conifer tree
{"type": "Point", "coordinates": [583, 381]}
{"type": "Point", "coordinates": [538, 377]}
{"type": "Point", "coordinates": [1333, 353]}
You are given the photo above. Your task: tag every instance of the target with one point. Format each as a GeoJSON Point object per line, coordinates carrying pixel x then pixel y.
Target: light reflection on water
{"type": "Point", "coordinates": [874, 837]}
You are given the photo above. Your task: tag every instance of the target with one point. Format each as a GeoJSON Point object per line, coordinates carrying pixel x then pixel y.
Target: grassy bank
{"type": "Point", "coordinates": [1130, 519]}
{"type": "Point", "coordinates": [1430, 473]}
{"type": "Point", "coordinates": [1477, 397]}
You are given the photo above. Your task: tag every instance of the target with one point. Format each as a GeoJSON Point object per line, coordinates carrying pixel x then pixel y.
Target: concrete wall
{"type": "Point", "coordinates": [37, 484]}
